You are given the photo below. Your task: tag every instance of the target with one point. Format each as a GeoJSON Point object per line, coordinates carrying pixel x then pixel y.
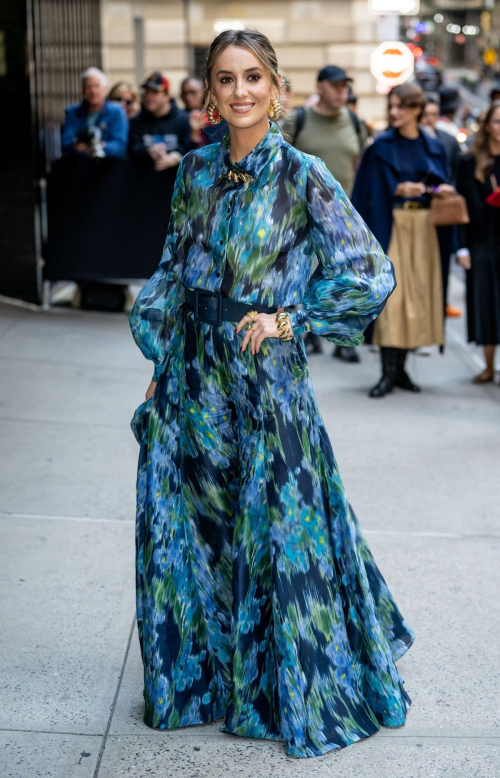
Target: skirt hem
{"type": "Point", "coordinates": [289, 752]}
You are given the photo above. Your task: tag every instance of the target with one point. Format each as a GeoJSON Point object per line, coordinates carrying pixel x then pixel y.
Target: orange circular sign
{"type": "Point", "coordinates": [392, 63]}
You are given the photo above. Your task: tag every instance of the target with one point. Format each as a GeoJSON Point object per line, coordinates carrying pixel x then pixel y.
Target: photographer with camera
{"type": "Point", "coordinates": [95, 127]}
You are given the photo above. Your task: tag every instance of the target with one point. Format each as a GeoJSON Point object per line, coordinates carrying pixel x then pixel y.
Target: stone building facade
{"type": "Point", "coordinates": [172, 36]}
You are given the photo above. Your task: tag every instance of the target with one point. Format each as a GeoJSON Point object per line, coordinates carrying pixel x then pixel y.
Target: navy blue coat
{"type": "Point", "coordinates": [379, 174]}
{"type": "Point", "coordinates": [376, 181]}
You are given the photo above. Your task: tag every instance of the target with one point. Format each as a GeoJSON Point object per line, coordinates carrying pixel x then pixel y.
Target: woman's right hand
{"type": "Point", "coordinates": [409, 189]}
{"type": "Point", "coordinates": [151, 390]}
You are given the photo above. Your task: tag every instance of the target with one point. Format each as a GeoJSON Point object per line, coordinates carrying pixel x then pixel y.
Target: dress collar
{"type": "Point", "coordinates": [256, 160]}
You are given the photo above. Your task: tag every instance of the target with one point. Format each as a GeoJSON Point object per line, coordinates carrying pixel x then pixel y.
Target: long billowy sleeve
{"type": "Point", "coordinates": [156, 313]}
{"type": "Point", "coordinates": [354, 277]}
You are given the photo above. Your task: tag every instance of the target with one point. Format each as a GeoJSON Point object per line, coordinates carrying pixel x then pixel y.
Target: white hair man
{"type": "Point", "coordinates": [96, 126]}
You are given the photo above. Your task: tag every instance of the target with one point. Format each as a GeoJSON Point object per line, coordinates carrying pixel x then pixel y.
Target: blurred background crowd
{"type": "Point", "coordinates": [401, 99]}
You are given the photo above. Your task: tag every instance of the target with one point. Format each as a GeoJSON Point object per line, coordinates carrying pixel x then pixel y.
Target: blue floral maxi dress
{"type": "Point", "coordinates": [258, 599]}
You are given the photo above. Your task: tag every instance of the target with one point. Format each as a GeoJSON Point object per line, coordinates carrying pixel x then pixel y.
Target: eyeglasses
{"type": "Point", "coordinates": [128, 101]}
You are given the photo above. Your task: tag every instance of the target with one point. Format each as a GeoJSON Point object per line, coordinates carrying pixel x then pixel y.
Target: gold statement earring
{"type": "Point", "coordinates": [275, 109]}
{"type": "Point", "coordinates": [213, 114]}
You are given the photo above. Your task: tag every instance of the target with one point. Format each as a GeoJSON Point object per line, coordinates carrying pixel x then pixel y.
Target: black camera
{"type": "Point", "coordinates": [92, 137]}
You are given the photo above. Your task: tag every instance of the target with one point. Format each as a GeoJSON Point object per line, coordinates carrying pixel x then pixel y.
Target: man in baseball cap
{"type": "Point", "coordinates": [160, 134]}
{"type": "Point", "coordinates": [329, 130]}
{"type": "Point", "coordinates": [334, 75]}
{"type": "Point", "coordinates": [157, 82]}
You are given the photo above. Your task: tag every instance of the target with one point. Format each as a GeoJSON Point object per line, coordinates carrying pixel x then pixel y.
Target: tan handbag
{"type": "Point", "coordinates": [447, 211]}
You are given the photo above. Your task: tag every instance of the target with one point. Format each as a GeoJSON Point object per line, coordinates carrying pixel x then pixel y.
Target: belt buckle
{"type": "Point", "coordinates": [204, 293]}
{"type": "Point", "coordinates": [410, 204]}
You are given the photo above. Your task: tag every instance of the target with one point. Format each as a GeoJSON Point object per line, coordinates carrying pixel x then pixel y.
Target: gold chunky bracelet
{"type": "Point", "coordinates": [284, 326]}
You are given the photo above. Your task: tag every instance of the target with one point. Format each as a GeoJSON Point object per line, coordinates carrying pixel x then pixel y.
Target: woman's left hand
{"type": "Point", "coordinates": [264, 327]}
{"type": "Point", "coordinates": [445, 190]}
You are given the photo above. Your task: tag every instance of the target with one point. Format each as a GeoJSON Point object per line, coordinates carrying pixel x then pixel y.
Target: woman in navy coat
{"type": "Point", "coordinates": [396, 179]}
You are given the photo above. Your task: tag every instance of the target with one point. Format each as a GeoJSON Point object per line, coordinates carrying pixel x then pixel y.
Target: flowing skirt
{"type": "Point", "coordinates": [414, 313]}
{"type": "Point", "coordinates": [258, 600]}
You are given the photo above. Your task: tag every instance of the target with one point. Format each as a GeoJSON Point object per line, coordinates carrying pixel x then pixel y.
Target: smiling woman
{"type": "Point", "coordinates": [243, 84]}
{"type": "Point", "coordinates": [258, 600]}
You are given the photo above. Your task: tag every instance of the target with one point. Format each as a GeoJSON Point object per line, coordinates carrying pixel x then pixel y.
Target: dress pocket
{"type": "Point", "coordinates": [140, 420]}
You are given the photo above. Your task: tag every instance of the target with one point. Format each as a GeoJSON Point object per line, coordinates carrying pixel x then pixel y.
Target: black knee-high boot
{"type": "Point", "coordinates": [312, 343]}
{"type": "Point", "coordinates": [401, 377]}
{"type": "Point", "coordinates": [386, 383]}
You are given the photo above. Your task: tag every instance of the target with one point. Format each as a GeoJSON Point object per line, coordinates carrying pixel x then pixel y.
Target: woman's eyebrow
{"type": "Point", "coordinates": [230, 72]}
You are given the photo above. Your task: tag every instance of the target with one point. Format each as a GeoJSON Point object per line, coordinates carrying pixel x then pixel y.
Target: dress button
{"type": "Point", "coordinates": [221, 242]}
{"type": "Point", "coordinates": [218, 274]}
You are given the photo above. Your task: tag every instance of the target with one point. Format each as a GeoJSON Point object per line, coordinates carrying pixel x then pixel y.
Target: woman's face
{"type": "Point", "coordinates": [430, 116]}
{"type": "Point", "coordinates": [241, 87]}
{"type": "Point", "coordinates": [400, 115]}
{"type": "Point", "coordinates": [130, 104]}
{"type": "Point", "coordinates": [493, 126]}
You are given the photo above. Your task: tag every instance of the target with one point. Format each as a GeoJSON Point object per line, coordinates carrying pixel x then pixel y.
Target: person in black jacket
{"type": "Point", "coordinates": [161, 132]}
{"type": "Point", "coordinates": [428, 121]}
{"type": "Point", "coordinates": [478, 178]}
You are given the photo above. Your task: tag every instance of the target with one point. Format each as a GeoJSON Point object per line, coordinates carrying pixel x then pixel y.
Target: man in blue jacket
{"type": "Point", "coordinates": [96, 127]}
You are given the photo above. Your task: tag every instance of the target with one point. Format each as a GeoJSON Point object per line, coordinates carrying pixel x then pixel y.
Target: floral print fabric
{"type": "Point", "coordinates": [257, 597]}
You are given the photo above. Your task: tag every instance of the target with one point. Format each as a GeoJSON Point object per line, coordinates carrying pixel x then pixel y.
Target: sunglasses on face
{"type": "Point", "coordinates": [128, 101]}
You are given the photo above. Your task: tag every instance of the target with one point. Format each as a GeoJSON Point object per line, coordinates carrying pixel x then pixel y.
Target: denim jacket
{"type": "Point", "coordinates": [112, 121]}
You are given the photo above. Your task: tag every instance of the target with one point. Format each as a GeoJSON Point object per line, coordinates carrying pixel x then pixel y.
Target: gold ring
{"type": "Point", "coordinates": [250, 325]}
{"type": "Point", "coordinates": [252, 314]}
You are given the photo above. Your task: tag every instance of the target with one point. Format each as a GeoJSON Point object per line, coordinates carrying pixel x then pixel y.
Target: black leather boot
{"type": "Point", "coordinates": [386, 383]}
{"type": "Point", "coordinates": [312, 343]}
{"type": "Point", "coordinates": [401, 377]}
{"type": "Point", "coordinates": [346, 354]}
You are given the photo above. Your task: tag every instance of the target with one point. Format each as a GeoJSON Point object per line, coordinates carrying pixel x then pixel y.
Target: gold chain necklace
{"type": "Point", "coordinates": [237, 176]}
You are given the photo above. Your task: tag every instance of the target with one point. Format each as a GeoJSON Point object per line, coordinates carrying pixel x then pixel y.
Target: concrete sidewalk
{"type": "Point", "coordinates": [421, 472]}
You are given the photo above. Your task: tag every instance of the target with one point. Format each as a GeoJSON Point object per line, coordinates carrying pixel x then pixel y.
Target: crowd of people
{"type": "Point", "coordinates": [398, 180]}
{"type": "Point", "coordinates": [117, 123]}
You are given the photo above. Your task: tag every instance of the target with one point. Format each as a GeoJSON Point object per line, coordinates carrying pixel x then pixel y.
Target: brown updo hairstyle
{"type": "Point", "coordinates": [411, 96]}
{"type": "Point", "coordinates": [481, 146]}
{"type": "Point", "coordinates": [253, 40]}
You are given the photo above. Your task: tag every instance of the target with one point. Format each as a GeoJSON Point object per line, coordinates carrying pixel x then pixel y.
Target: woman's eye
{"type": "Point", "coordinates": [255, 76]}
{"type": "Point", "coordinates": [225, 79]}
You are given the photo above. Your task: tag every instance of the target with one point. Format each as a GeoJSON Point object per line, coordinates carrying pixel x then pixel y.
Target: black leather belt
{"type": "Point", "coordinates": [214, 308]}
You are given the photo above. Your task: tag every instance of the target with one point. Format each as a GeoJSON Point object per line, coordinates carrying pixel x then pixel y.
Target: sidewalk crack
{"type": "Point", "coordinates": [113, 704]}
